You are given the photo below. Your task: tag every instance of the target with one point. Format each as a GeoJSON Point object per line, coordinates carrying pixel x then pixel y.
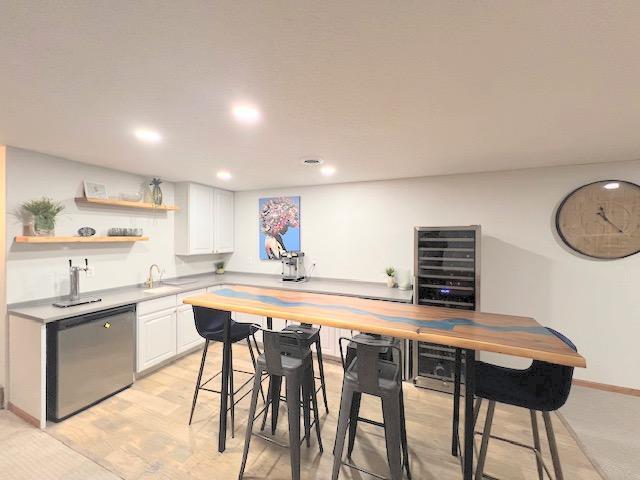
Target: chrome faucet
{"type": "Point", "coordinates": [74, 279]}
{"type": "Point", "coordinates": [149, 282]}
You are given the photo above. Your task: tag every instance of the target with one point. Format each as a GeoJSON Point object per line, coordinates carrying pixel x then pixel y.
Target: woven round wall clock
{"type": "Point", "coordinates": [601, 219]}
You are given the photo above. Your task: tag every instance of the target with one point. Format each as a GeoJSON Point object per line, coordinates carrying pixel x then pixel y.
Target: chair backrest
{"type": "Point", "coordinates": [554, 381]}
{"type": "Point", "coordinates": [208, 320]}
{"type": "Point", "coordinates": [367, 360]}
{"type": "Point", "coordinates": [277, 343]}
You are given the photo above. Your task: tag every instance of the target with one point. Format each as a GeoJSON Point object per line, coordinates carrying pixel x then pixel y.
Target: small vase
{"type": "Point", "coordinates": [28, 226]}
{"type": "Point", "coordinates": [391, 282]}
{"type": "Point", "coordinates": [156, 191]}
{"type": "Point", "coordinates": [43, 227]}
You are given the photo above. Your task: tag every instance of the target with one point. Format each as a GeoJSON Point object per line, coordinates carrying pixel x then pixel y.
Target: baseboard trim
{"type": "Point", "coordinates": [18, 412]}
{"type": "Point", "coordinates": [607, 388]}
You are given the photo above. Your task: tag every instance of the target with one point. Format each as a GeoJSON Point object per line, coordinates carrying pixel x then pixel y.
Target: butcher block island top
{"type": "Point", "coordinates": [507, 334]}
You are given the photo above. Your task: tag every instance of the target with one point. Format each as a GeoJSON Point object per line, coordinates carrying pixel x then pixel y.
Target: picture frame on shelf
{"type": "Point", "coordinates": [95, 190]}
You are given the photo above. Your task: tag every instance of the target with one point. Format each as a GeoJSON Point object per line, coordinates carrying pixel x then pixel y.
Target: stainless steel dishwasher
{"type": "Point", "coordinates": [89, 358]}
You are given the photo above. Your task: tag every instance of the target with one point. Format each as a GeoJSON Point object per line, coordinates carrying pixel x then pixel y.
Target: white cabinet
{"type": "Point", "coordinates": [187, 337]}
{"type": "Point", "coordinates": [194, 220]}
{"type": "Point", "coordinates": [164, 328]}
{"type": "Point", "coordinates": [156, 333]}
{"type": "Point", "coordinates": [222, 221]}
{"type": "Point", "coordinates": [204, 223]}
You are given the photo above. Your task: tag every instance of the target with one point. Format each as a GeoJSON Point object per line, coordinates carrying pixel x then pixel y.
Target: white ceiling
{"type": "Point", "coordinates": [379, 89]}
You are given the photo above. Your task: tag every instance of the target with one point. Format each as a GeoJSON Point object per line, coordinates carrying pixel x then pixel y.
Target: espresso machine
{"type": "Point", "coordinates": [293, 267]}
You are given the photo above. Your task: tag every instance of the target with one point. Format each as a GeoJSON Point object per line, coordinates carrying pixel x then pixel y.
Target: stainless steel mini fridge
{"type": "Point", "coordinates": [89, 358]}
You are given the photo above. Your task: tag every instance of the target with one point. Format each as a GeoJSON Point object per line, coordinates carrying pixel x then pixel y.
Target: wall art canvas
{"type": "Point", "coordinates": [95, 190]}
{"type": "Point", "coordinates": [279, 226]}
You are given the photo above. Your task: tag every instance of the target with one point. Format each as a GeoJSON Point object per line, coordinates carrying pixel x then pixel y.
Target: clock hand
{"type": "Point", "coordinates": [603, 215]}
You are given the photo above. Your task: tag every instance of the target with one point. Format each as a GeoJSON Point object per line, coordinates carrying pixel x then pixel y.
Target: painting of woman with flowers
{"type": "Point", "coordinates": [279, 226]}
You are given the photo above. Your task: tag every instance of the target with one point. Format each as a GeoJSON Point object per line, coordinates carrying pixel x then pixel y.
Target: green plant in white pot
{"type": "Point", "coordinates": [44, 212]}
{"type": "Point", "coordinates": [391, 277]}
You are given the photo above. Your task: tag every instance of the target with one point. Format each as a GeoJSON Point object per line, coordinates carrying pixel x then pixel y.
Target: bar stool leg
{"type": "Point", "coordinates": [293, 411]}
{"type": "Point", "coordinates": [536, 443]}
{"type": "Point", "coordinates": [403, 433]}
{"type": "Point", "coordinates": [321, 370]}
{"type": "Point", "coordinates": [231, 394]}
{"type": "Point", "coordinates": [486, 434]}
{"type": "Point", "coordinates": [477, 411]}
{"type": "Point", "coordinates": [391, 415]}
{"type": "Point", "coordinates": [314, 403]}
{"type": "Point", "coordinates": [252, 414]}
{"type": "Point", "coordinates": [253, 362]}
{"type": "Point", "coordinates": [306, 402]}
{"type": "Point", "coordinates": [557, 467]}
{"type": "Point", "coordinates": [275, 402]}
{"type": "Point", "coordinates": [195, 394]}
{"type": "Point", "coordinates": [268, 404]}
{"type": "Point", "coordinates": [341, 433]}
{"type": "Point", "coordinates": [353, 421]}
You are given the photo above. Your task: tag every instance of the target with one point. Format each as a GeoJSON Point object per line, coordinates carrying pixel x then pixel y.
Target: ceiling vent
{"type": "Point", "coordinates": [312, 161]}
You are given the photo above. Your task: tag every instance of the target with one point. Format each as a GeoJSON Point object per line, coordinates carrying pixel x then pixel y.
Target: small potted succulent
{"type": "Point", "coordinates": [44, 212]}
{"type": "Point", "coordinates": [391, 277]}
{"type": "Point", "coordinates": [219, 268]}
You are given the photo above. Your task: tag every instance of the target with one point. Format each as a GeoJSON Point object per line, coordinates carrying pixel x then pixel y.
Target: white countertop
{"type": "Point", "coordinates": [43, 310]}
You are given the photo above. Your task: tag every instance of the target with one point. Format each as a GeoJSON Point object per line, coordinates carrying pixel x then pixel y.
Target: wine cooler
{"type": "Point", "coordinates": [447, 274]}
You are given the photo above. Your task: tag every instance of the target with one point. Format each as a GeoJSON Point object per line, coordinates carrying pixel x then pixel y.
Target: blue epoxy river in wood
{"type": "Point", "coordinates": [448, 324]}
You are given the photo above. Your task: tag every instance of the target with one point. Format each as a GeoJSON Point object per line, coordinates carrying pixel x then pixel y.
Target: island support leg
{"type": "Point", "coordinates": [469, 423]}
{"type": "Point", "coordinates": [224, 395]}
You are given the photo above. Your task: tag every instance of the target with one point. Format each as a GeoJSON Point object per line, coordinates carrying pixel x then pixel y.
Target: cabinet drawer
{"type": "Point", "coordinates": [151, 306]}
{"type": "Point", "coordinates": [192, 293]}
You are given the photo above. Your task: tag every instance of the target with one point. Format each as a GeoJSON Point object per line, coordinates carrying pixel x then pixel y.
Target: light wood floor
{"type": "Point", "coordinates": [142, 433]}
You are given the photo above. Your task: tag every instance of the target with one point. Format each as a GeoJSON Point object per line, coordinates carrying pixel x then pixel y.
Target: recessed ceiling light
{"type": "Point", "coordinates": [612, 186]}
{"type": "Point", "coordinates": [327, 170]}
{"type": "Point", "coordinates": [246, 114]}
{"type": "Point", "coordinates": [149, 136]}
{"type": "Point", "coordinates": [224, 175]}
{"type": "Point", "coordinates": [312, 161]}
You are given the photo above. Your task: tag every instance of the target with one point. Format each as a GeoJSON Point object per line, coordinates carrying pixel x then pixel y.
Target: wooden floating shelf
{"type": "Point", "coordinates": [126, 204]}
{"type": "Point", "coordinates": [24, 239]}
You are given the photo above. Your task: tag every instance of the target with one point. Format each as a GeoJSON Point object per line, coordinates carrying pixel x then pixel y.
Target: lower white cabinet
{"type": "Point", "coordinates": [165, 327]}
{"type": "Point", "coordinates": [187, 337]}
{"type": "Point", "coordinates": [156, 338]}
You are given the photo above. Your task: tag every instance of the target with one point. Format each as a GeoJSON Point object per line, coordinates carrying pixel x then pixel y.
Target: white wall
{"type": "Point", "coordinates": [41, 271]}
{"type": "Point", "coordinates": [355, 230]}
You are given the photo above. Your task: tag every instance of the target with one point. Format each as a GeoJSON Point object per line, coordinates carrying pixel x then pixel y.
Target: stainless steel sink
{"type": "Point", "coordinates": [161, 290]}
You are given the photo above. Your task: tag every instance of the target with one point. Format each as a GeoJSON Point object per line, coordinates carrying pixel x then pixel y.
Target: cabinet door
{"type": "Point", "coordinates": [187, 337]}
{"type": "Point", "coordinates": [200, 224]}
{"type": "Point", "coordinates": [222, 221]}
{"type": "Point", "coordinates": [328, 342]}
{"type": "Point", "coordinates": [156, 339]}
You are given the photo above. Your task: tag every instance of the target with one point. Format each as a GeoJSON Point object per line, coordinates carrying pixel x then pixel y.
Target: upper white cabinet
{"type": "Point", "coordinates": [222, 221]}
{"type": "Point", "coordinates": [204, 223]}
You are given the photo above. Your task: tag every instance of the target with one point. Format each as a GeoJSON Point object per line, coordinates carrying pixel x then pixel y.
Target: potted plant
{"type": "Point", "coordinates": [219, 268]}
{"type": "Point", "coordinates": [44, 212]}
{"type": "Point", "coordinates": [391, 277]}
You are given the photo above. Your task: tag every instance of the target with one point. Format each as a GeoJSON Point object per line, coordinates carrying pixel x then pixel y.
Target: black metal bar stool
{"type": "Point", "coordinates": [210, 325]}
{"type": "Point", "coordinates": [543, 387]}
{"type": "Point", "coordinates": [389, 355]}
{"type": "Point", "coordinates": [369, 373]}
{"type": "Point", "coordinates": [309, 335]}
{"type": "Point", "coordinates": [297, 370]}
